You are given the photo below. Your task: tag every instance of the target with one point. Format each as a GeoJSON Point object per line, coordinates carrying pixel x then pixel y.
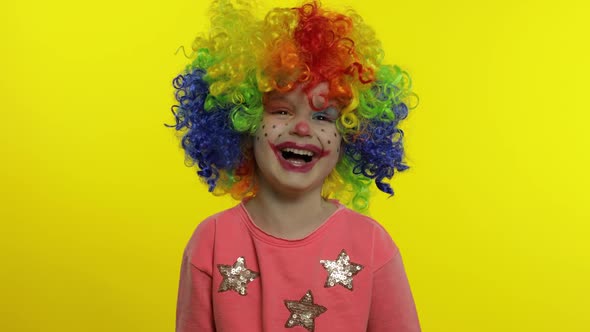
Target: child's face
{"type": "Point", "coordinates": [296, 147]}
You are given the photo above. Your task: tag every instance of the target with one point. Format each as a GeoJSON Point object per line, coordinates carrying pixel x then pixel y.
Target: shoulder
{"type": "Point", "coordinates": [199, 249]}
{"type": "Point", "coordinates": [370, 233]}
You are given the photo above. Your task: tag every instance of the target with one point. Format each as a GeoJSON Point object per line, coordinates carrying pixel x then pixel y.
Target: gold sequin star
{"type": "Point", "coordinates": [304, 312]}
{"type": "Point", "coordinates": [341, 271]}
{"type": "Point", "coordinates": [236, 277]}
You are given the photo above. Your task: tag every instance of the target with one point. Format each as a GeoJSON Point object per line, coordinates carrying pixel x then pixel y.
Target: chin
{"type": "Point", "coordinates": [292, 183]}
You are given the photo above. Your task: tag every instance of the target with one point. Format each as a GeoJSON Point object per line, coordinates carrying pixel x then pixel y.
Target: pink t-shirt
{"type": "Point", "coordinates": [346, 276]}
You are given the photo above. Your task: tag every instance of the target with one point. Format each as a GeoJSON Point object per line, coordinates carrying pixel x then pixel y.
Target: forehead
{"type": "Point", "coordinates": [316, 96]}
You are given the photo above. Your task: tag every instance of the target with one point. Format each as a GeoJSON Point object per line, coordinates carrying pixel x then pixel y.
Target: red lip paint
{"type": "Point", "coordinates": [296, 167]}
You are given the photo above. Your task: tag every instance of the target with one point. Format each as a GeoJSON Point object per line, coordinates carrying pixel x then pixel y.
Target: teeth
{"type": "Point", "coordinates": [301, 152]}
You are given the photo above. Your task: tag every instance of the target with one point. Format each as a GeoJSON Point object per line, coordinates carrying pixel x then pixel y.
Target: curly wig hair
{"type": "Point", "coordinates": [220, 95]}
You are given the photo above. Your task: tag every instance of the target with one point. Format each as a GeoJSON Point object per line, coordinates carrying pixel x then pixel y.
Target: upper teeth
{"type": "Point", "coordinates": [297, 151]}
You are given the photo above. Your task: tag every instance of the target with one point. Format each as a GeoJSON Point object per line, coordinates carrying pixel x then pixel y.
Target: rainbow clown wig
{"type": "Point", "coordinates": [220, 95]}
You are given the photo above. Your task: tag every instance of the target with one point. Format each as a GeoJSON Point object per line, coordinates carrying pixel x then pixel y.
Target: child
{"type": "Point", "coordinates": [294, 115]}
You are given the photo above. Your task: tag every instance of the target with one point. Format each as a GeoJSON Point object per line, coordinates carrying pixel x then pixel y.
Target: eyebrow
{"type": "Point", "coordinates": [274, 96]}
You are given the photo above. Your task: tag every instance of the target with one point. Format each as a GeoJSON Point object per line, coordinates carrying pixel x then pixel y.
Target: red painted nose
{"type": "Point", "coordinates": [301, 128]}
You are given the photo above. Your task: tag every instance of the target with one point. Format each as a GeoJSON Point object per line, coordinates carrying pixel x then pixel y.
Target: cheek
{"type": "Point", "coordinates": [269, 130]}
{"type": "Point", "coordinates": [331, 138]}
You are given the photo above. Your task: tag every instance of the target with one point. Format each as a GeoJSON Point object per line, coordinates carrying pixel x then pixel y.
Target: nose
{"type": "Point", "coordinates": [301, 128]}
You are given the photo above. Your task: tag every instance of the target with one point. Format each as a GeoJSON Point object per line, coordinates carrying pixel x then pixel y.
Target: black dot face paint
{"type": "Point", "coordinates": [329, 142]}
{"type": "Point", "coordinates": [265, 134]}
{"type": "Point", "coordinates": [322, 129]}
{"type": "Point", "coordinates": [274, 126]}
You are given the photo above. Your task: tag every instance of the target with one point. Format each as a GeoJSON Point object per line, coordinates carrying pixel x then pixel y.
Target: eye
{"type": "Point", "coordinates": [277, 109]}
{"type": "Point", "coordinates": [321, 117]}
{"type": "Point", "coordinates": [280, 112]}
{"type": "Point", "coordinates": [330, 114]}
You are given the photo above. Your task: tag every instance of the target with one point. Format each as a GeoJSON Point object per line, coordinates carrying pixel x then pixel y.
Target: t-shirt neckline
{"type": "Point", "coordinates": [282, 242]}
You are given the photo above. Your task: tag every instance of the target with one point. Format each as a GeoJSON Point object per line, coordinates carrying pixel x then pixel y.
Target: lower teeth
{"type": "Point", "coordinates": [293, 156]}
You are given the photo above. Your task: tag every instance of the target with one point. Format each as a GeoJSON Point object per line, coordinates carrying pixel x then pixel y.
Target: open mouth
{"type": "Point", "coordinates": [297, 155]}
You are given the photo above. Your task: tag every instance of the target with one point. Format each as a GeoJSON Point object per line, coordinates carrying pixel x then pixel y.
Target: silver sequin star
{"type": "Point", "coordinates": [341, 271]}
{"type": "Point", "coordinates": [304, 312]}
{"type": "Point", "coordinates": [236, 277]}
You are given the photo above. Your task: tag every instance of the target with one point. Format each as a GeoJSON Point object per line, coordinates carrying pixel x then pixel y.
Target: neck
{"type": "Point", "coordinates": [289, 215]}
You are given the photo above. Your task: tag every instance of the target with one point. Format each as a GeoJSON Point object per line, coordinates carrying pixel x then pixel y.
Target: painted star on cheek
{"type": "Point", "coordinates": [341, 271]}
{"type": "Point", "coordinates": [304, 312]}
{"type": "Point", "coordinates": [236, 277]}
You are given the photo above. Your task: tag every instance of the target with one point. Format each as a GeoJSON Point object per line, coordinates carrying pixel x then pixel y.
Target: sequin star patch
{"type": "Point", "coordinates": [236, 277]}
{"type": "Point", "coordinates": [304, 312]}
{"type": "Point", "coordinates": [341, 271]}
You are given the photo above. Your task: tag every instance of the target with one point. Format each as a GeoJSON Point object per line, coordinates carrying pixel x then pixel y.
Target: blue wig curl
{"type": "Point", "coordinates": [210, 140]}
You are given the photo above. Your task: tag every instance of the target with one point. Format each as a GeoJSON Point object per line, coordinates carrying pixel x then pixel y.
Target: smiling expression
{"type": "Point", "coordinates": [296, 146]}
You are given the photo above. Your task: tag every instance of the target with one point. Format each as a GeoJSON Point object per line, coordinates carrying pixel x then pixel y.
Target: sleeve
{"type": "Point", "coordinates": [392, 303]}
{"type": "Point", "coordinates": [194, 307]}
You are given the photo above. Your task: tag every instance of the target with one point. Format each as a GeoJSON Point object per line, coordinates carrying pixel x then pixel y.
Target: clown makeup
{"type": "Point", "coordinates": [297, 146]}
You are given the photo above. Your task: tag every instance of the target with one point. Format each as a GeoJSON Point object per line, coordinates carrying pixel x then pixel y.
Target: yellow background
{"type": "Point", "coordinates": [96, 204]}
